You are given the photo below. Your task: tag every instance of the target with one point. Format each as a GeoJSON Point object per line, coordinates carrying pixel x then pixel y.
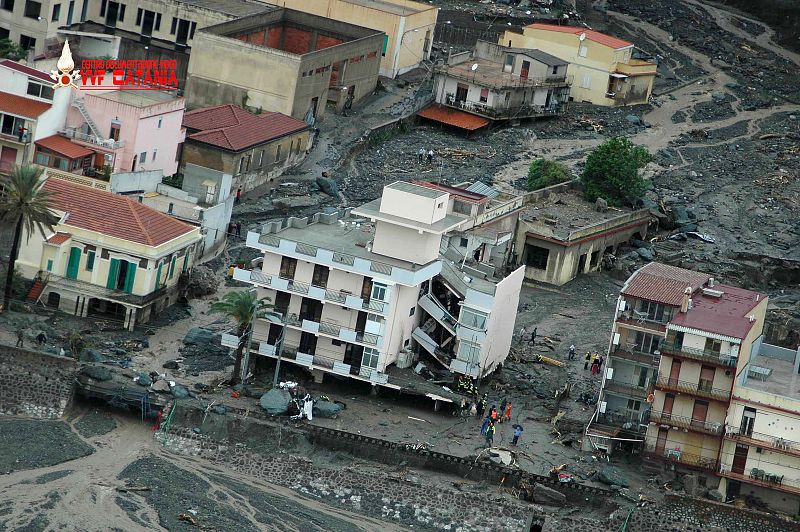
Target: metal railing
{"type": "Point", "coordinates": [629, 351]}
{"type": "Point", "coordinates": [762, 478]}
{"type": "Point", "coordinates": [693, 388]}
{"type": "Point", "coordinates": [110, 144]}
{"type": "Point", "coordinates": [499, 112]}
{"type": "Point", "coordinates": [630, 388]}
{"type": "Point", "coordinates": [630, 422]}
{"type": "Point", "coordinates": [681, 457]}
{"type": "Point", "coordinates": [506, 80]}
{"type": "Point", "coordinates": [762, 440]}
{"type": "Point", "coordinates": [332, 329]}
{"type": "Point", "coordinates": [701, 355]}
{"type": "Point", "coordinates": [667, 418]}
{"type": "Point", "coordinates": [88, 289]}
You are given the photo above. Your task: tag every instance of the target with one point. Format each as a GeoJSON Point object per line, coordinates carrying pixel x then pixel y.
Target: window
{"type": "Point", "coordinates": [56, 13]}
{"type": "Point", "coordinates": [337, 343]}
{"type": "Point", "coordinates": [647, 343]}
{"type": "Point", "coordinates": [484, 95]}
{"type": "Point", "coordinates": [211, 191]}
{"type": "Point", "coordinates": [715, 346]}
{"type": "Point", "coordinates": [8, 5]}
{"type": "Point", "coordinates": [33, 9]}
{"type": "Point", "coordinates": [75, 164]}
{"type": "Point", "coordinates": [440, 205]}
{"type": "Point", "coordinates": [143, 157]}
{"type": "Point", "coordinates": [42, 158]}
{"type": "Point", "coordinates": [49, 265]}
{"type": "Point", "coordinates": [655, 312]}
{"type": "Point", "coordinates": [27, 42]}
{"type": "Point", "coordinates": [139, 16]}
{"type": "Point", "coordinates": [469, 351]}
{"type": "Point", "coordinates": [412, 311]}
{"type": "Point", "coordinates": [463, 243]}
{"type": "Point", "coordinates": [174, 26]}
{"type": "Point", "coordinates": [406, 343]}
{"type": "Point", "coordinates": [155, 152]}
{"type": "Point", "coordinates": [537, 257]}
{"type": "Point", "coordinates": [385, 45]}
{"type": "Point", "coordinates": [121, 16]}
{"type": "Point", "coordinates": [582, 51]}
{"type": "Point", "coordinates": [379, 292]}
{"type": "Point", "coordinates": [473, 319]}
{"type": "Point", "coordinates": [278, 153]}
{"type": "Point", "coordinates": [706, 378]}
{"type": "Point", "coordinates": [634, 405]}
{"type": "Point", "coordinates": [114, 134]}
{"type": "Point", "coordinates": [61, 164]}
{"type": "Point", "coordinates": [370, 358]}
{"type": "Point", "coordinates": [586, 81]}
{"type": "Point", "coordinates": [90, 261]}
{"type": "Point", "coordinates": [103, 8]}
{"type": "Point", "coordinates": [261, 159]}
{"type": "Point", "coordinates": [509, 60]}
{"type": "Point", "coordinates": [158, 21]}
{"type": "Point", "coordinates": [291, 149]}
{"type": "Point", "coordinates": [40, 91]}
{"type": "Point", "coordinates": [241, 165]}
{"type": "Point", "coordinates": [555, 70]}
{"type": "Point", "coordinates": [160, 121]}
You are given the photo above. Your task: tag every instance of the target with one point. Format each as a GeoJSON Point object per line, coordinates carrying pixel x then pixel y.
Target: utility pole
{"type": "Point", "coordinates": [246, 357]}
{"type": "Point", "coordinates": [279, 351]}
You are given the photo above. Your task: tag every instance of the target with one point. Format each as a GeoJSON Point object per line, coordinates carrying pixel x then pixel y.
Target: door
{"type": "Point", "coordinates": [582, 263]}
{"type": "Point", "coordinates": [526, 67]}
{"type": "Point", "coordinates": [158, 276]}
{"type": "Point", "coordinates": [282, 300]}
{"type": "Point", "coordinates": [308, 344]}
{"type": "Point", "coordinates": [740, 458]}
{"type": "Point", "coordinates": [669, 402]}
{"type": "Point", "coordinates": [183, 32]}
{"type": "Point", "coordinates": [148, 20]}
{"type": "Point", "coordinates": [70, 12]}
{"type": "Point", "coordinates": [748, 421]}
{"type": "Point", "coordinates": [642, 377]}
{"type": "Point", "coordinates": [706, 378]}
{"type": "Point", "coordinates": [130, 277]}
{"type": "Point", "coordinates": [74, 262]}
{"type": "Point", "coordinates": [461, 92]}
{"type": "Point", "coordinates": [112, 12]}
{"type": "Point", "coordinates": [699, 413]}
{"type": "Point", "coordinates": [661, 441]}
{"type": "Point", "coordinates": [366, 289]}
{"type": "Point", "coordinates": [8, 158]}
{"type": "Point", "coordinates": [314, 105]}
{"type": "Point", "coordinates": [320, 276]}
{"type": "Point", "coordinates": [675, 372]}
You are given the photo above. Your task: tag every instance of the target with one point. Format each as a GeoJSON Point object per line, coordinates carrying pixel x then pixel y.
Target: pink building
{"type": "Point", "coordinates": [136, 130]}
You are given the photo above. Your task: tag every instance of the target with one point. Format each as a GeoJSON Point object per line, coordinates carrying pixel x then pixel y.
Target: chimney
{"type": "Point", "coordinates": [711, 281]}
{"type": "Point", "coordinates": [685, 302]}
{"type": "Point", "coordinates": [752, 318]}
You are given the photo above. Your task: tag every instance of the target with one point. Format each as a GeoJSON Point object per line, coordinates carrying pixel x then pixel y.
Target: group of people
{"type": "Point", "coordinates": [594, 360]}
{"type": "Point", "coordinates": [495, 417]}
{"type": "Point", "coordinates": [41, 338]}
{"type": "Point", "coordinates": [421, 156]}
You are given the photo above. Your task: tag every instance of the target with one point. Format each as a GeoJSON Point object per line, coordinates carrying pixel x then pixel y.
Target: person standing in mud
{"type": "Point", "coordinates": [491, 429]}
{"type": "Point", "coordinates": [421, 155]}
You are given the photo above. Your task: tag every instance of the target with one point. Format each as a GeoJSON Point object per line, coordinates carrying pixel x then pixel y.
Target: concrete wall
{"type": "Point", "coordinates": [399, 323]}
{"type": "Point", "coordinates": [500, 326]}
{"type": "Point", "coordinates": [34, 384]}
{"type": "Point", "coordinates": [143, 181]}
{"type": "Point", "coordinates": [405, 244]}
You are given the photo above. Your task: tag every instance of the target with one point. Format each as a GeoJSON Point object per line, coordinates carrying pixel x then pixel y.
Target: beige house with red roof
{"type": "Point", "coordinates": [603, 68]}
{"type": "Point", "coordinates": [110, 256]}
{"type": "Point", "coordinates": [253, 148]}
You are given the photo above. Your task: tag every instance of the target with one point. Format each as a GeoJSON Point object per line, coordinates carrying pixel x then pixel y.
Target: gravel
{"type": "Point", "coordinates": [32, 444]}
{"type": "Point", "coordinates": [95, 423]}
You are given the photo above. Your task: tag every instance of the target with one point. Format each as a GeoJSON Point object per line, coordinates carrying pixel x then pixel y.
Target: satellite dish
{"type": "Point", "coordinates": [582, 37]}
{"type": "Point", "coordinates": [475, 67]}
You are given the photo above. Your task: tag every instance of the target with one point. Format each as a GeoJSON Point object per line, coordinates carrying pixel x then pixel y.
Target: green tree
{"type": "Point", "coordinates": [612, 172]}
{"type": "Point", "coordinates": [24, 206]}
{"type": "Point", "coordinates": [544, 173]}
{"type": "Point", "coordinates": [11, 50]}
{"type": "Point", "coordinates": [242, 307]}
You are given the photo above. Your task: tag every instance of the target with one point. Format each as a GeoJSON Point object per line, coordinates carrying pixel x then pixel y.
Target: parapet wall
{"type": "Point", "coordinates": [35, 384]}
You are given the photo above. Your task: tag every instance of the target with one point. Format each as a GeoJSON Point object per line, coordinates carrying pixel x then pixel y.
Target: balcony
{"type": "Point", "coordinates": [758, 439]}
{"type": "Point", "coordinates": [680, 422]}
{"type": "Point", "coordinates": [769, 482]}
{"type": "Point", "coordinates": [635, 67]}
{"type": "Point", "coordinates": [90, 290]}
{"type": "Point", "coordinates": [630, 352]}
{"type": "Point", "coordinates": [309, 290]}
{"type": "Point", "coordinates": [700, 355]}
{"type": "Point", "coordinates": [333, 330]}
{"type": "Point", "coordinates": [681, 458]}
{"type": "Point", "coordinates": [692, 388]}
{"type": "Point", "coordinates": [642, 323]}
{"type": "Point", "coordinates": [108, 144]}
{"type": "Point", "coordinates": [502, 112]}
{"type": "Point", "coordinates": [627, 388]}
{"type": "Point", "coordinates": [633, 423]}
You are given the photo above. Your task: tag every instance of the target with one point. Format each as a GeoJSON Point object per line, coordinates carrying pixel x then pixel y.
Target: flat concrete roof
{"type": "Point", "coordinates": [455, 276]}
{"type": "Point", "coordinates": [419, 190]}
{"type": "Point", "coordinates": [395, 8]}
{"type": "Point", "coordinates": [372, 210]}
{"type": "Point", "coordinates": [782, 381]}
{"type": "Point", "coordinates": [491, 74]}
{"type": "Point", "coordinates": [562, 213]}
{"type": "Point", "coordinates": [137, 98]}
{"type": "Point", "coordinates": [236, 8]}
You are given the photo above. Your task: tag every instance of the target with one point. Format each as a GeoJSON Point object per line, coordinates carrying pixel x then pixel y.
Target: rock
{"type": "Point", "coordinates": [633, 119]}
{"type": "Point", "coordinates": [275, 402]}
{"type": "Point", "coordinates": [220, 409]}
{"type": "Point", "coordinates": [681, 215]}
{"type": "Point", "coordinates": [688, 227]}
{"type": "Point", "coordinates": [160, 386]}
{"type": "Point", "coordinates": [170, 364]}
{"type": "Point", "coordinates": [98, 373]}
{"type": "Point", "coordinates": [719, 96]}
{"type": "Point", "coordinates": [118, 351]}
{"type": "Point", "coordinates": [90, 355]}
{"type": "Point", "coordinates": [145, 343]}
{"type": "Point", "coordinates": [548, 496]}
{"type": "Point", "coordinates": [601, 205]}
{"type": "Point", "coordinates": [196, 430]}
{"type": "Point", "coordinates": [645, 253]}
{"type": "Point", "coordinates": [715, 495]}
{"type": "Point", "coordinates": [180, 392]}
{"type": "Point", "coordinates": [692, 487]}
{"type": "Point", "coordinates": [611, 475]}
{"type": "Point", "coordinates": [198, 336]}
{"type": "Point", "coordinates": [202, 282]}
{"type": "Point", "coordinates": [144, 379]}
{"type": "Point", "coordinates": [635, 242]}
{"type": "Point", "coordinates": [326, 409]}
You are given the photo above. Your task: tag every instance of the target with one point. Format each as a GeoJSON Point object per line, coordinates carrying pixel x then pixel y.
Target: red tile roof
{"type": "Point", "coordinates": [28, 71]}
{"type": "Point", "coordinates": [232, 128]}
{"type": "Point", "coordinates": [64, 146]}
{"type": "Point", "coordinates": [596, 36]}
{"type": "Point", "coordinates": [21, 106]}
{"type": "Point", "coordinates": [727, 315]}
{"type": "Point", "coordinates": [59, 238]}
{"type": "Point", "coordinates": [662, 283]}
{"type": "Point", "coordinates": [113, 215]}
{"type": "Point", "coordinates": [453, 117]}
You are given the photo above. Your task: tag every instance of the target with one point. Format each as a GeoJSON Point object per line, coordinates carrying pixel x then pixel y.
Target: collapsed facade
{"type": "Point", "coordinates": [366, 291]}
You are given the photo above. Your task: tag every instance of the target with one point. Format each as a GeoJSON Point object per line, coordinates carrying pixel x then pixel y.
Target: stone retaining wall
{"type": "Point", "coordinates": [35, 384]}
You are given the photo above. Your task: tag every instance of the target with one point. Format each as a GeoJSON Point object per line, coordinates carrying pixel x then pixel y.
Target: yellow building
{"type": "Point", "coordinates": [603, 69]}
{"type": "Point", "coordinates": [109, 257]}
{"type": "Point", "coordinates": [408, 26]}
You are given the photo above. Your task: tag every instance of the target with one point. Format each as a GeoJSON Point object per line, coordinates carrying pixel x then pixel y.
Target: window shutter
{"type": "Point", "coordinates": [113, 271]}
{"type": "Point", "coordinates": [158, 277]}
{"type": "Point", "coordinates": [172, 267]}
{"type": "Point", "coordinates": [130, 277]}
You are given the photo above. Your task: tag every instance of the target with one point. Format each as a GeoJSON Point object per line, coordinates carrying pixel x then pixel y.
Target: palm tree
{"type": "Point", "coordinates": [26, 206]}
{"type": "Point", "coordinates": [242, 307]}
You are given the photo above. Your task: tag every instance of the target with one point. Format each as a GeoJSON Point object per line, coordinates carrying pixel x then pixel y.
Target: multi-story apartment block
{"type": "Point", "coordinates": [32, 24]}
{"type": "Point", "coordinates": [359, 288]}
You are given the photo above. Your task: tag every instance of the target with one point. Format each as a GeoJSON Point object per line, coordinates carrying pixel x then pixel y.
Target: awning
{"type": "Point", "coordinates": [618, 75]}
{"type": "Point", "coordinates": [453, 117]}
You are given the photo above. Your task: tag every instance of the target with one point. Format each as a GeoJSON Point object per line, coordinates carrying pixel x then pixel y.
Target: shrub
{"type": "Point", "coordinates": [612, 172]}
{"type": "Point", "coordinates": [544, 173]}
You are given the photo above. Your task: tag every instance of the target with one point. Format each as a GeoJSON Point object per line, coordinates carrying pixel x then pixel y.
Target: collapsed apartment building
{"type": "Point", "coordinates": [420, 273]}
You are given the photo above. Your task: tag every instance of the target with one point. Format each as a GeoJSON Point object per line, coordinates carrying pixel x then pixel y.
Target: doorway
{"type": "Point", "coordinates": [748, 421]}
{"type": "Point", "coordinates": [675, 372]}
{"type": "Point", "coordinates": [582, 263]}
{"type": "Point", "coordinates": [669, 402]}
{"type": "Point", "coordinates": [314, 105]}
{"type": "Point", "coordinates": [699, 413]}
{"type": "Point", "coordinates": [182, 35]}
{"type": "Point", "coordinates": [661, 441]}
{"type": "Point", "coordinates": [461, 92]}
{"type": "Point", "coordinates": [740, 459]}
{"type": "Point", "coordinates": [526, 67]}
{"type": "Point", "coordinates": [8, 158]}
{"type": "Point", "coordinates": [148, 21]}
{"type": "Point", "coordinates": [112, 12]}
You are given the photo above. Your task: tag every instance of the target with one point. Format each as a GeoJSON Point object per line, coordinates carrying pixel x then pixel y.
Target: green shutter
{"type": "Point", "coordinates": [90, 261]}
{"type": "Point", "coordinates": [49, 265]}
{"type": "Point", "coordinates": [130, 277]}
{"type": "Point", "coordinates": [385, 44]}
{"type": "Point", "coordinates": [74, 262]}
{"type": "Point", "coordinates": [158, 277]}
{"type": "Point", "coordinates": [186, 261]}
{"type": "Point", "coordinates": [172, 266]}
{"type": "Point", "coordinates": [113, 271]}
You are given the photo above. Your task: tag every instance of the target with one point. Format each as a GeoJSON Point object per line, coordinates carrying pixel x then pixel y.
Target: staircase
{"type": "Point", "coordinates": [80, 105]}
{"type": "Point", "coordinates": [36, 291]}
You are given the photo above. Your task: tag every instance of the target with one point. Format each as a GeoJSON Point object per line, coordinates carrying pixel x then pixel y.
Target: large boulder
{"type": "Point", "coordinates": [144, 379]}
{"type": "Point", "coordinates": [715, 495]}
{"type": "Point", "coordinates": [180, 392]}
{"type": "Point", "coordinates": [199, 336]}
{"type": "Point", "coordinates": [276, 402]}
{"type": "Point", "coordinates": [98, 373]}
{"type": "Point", "coordinates": [328, 186]}
{"type": "Point", "coordinates": [692, 487]}
{"type": "Point", "coordinates": [548, 496]}
{"type": "Point", "coordinates": [90, 355]}
{"type": "Point", "coordinates": [612, 476]}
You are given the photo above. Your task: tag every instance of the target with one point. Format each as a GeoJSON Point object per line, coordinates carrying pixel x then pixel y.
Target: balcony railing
{"type": "Point", "coordinates": [110, 144]}
{"type": "Point", "coordinates": [502, 111]}
{"type": "Point", "coordinates": [314, 325]}
{"type": "Point", "coordinates": [693, 388]}
{"type": "Point", "coordinates": [679, 457]}
{"type": "Point", "coordinates": [763, 479]}
{"type": "Point", "coordinates": [636, 423]}
{"type": "Point", "coordinates": [760, 439]}
{"type": "Point", "coordinates": [696, 425]}
{"type": "Point", "coordinates": [629, 318]}
{"type": "Point", "coordinates": [317, 292]}
{"type": "Point", "coordinates": [701, 355]}
{"type": "Point", "coordinates": [629, 388]}
{"type": "Point", "coordinates": [629, 351]}
{"type": "Point", "coordinates": [118, 296]}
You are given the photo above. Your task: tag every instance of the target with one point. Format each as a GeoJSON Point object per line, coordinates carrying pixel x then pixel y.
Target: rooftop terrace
{"type": "Point", "coordinates": [491, 74]}
{"type": "Point", "coordinates": [774, 370]}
